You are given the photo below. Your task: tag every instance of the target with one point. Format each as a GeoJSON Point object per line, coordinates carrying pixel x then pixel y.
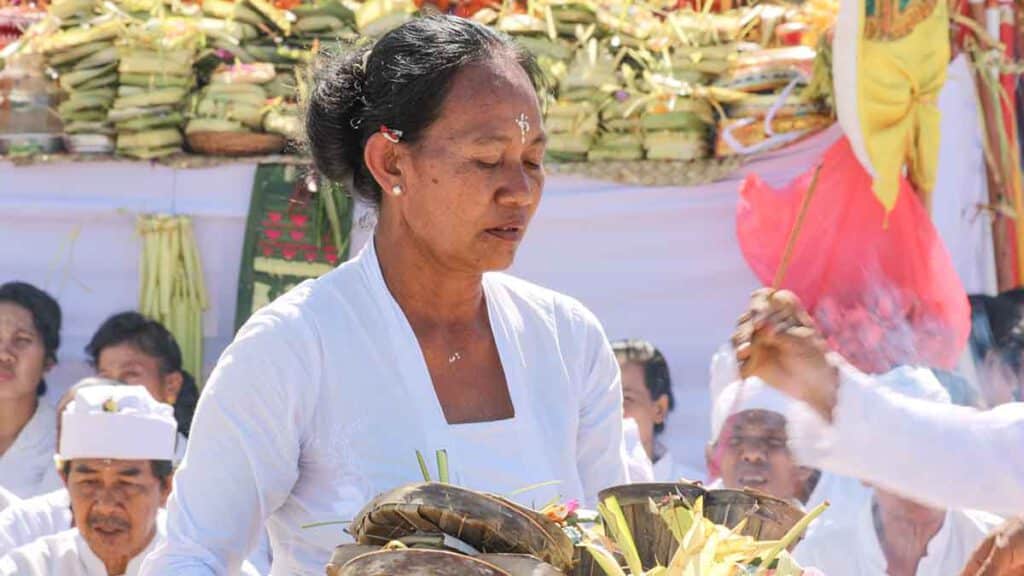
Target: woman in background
{"type": "Point", "coordinates": [29, 337]}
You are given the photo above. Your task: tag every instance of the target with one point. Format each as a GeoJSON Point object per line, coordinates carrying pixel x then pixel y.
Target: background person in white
{"type": "Point", "coordinates": [116, 449]}
{"type": "Point", "coordinates": [893, 535]}
{"type": "Point", "coordinates": [29, 337]}
{"type": "Point", "coordinates": [325, 395]}
{"type": "Point", "coordinates": [860, 429]}
{"type": "Point", "coordinates": [647, 400]}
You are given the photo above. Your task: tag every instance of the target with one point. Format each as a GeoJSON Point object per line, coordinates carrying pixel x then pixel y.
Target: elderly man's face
{"type": "Point", "coordinates": [114, 503]}
{"type": "Point", "coordinates": [755, 454]}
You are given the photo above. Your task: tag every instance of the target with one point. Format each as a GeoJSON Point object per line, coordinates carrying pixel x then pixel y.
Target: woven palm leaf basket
{"type": "Point", "coordinates": [463, 521]}
{"type": "Point", "coordinates": [235, 143]}
{"type": "Point", "coordinates": [767, 518]}
{"type": "Point", "coordinates": [652, 172]}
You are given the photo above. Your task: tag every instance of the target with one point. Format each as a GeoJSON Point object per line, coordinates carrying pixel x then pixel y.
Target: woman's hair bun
{"type": "Point", "coordinates": [334, 112]}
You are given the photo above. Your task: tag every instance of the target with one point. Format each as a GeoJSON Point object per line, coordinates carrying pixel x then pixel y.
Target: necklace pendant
{"type": "Point", "coordinates": [454, 358]}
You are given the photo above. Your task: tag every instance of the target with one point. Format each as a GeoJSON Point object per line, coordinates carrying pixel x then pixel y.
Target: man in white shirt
{"type": "Point", "coordinates": [853, 426]}
{"type": "Point", "coordinates": [116, 448]}
{"type": "Point", "coordinates": [893, 535]}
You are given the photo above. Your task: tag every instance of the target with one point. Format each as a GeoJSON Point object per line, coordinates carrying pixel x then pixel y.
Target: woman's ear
{"type": "Point", "coordinates": [710, 460]}
{"type": "Point", "coordinates": [661, 409]}
{"type": "Point", "coordinates": [381, 158]}
{"type": "Point", "coordinates": [172, 387]}
{"type": "Point", "coordinates": [165, 490]}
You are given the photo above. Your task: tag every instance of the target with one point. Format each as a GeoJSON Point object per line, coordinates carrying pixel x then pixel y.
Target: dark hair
{"type": "Point", "coordinates": [656, 376]}
{"type": "Point", "coordinates": [152, 339]}
{"type": "Point", "coordinates": [46, 317]}
{"type": "Point", "coordinates": [399, 82]}
{"type": "Point", "coordinates": [162, 470]}
{"type": "Point", "coordinates": [997, 326]}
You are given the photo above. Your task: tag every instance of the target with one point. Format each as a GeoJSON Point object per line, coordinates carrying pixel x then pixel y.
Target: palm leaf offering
{"type": "Point", "coordinates": [668, 529]}
{"type": "Point", "coordinates": [171, 288]}
{"type": "Point", "coordinates": [702, 546]}
{"type": "Point", "coordinates": [624, 77]}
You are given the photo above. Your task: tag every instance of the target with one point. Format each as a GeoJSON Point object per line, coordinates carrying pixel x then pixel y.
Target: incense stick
{"type": "Point", "coordinates": [794, 233]}
{"type": "Point", "coordinates": [780, 276]}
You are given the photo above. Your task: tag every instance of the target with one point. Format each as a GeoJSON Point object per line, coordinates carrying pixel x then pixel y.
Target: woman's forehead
{"type": "Point", "coordinates": [489, 99]}
{"type": "Point", "coordinates": [760, 421]}
{"type": "Point", "coordinates": [13, 316]}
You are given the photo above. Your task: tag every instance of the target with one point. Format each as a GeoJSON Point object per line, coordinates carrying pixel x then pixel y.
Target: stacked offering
{"type": "Point", "coordinates": [323, 21]}
{"type": "Point", "coordinates": [234, 101]}
{"type": "Point", "coordinates": [677, 128]}
{"type": "Point", "coordinates": [553, 54]}
{"type": "Point", "coordinates": [770, 111]}
{"type": "Point", "coordinates": [156, 78]}
{"type": "Point", "coordinates": [572, 120]}
{"type": "Point", "coordinates": [84, 54]}
{"type": "Point", "coordinates": [229, 113]}
{"type": "Point", "coordinates": [621, 136]}
{"type": "Point", "coordinates": [374, 18]}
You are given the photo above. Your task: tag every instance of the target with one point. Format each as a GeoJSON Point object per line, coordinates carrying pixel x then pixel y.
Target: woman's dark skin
{"type": "Point", "coordinates": [468, 189]}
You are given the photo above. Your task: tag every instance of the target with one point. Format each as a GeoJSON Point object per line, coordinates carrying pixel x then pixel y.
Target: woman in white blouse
{"type": "Point", "coordinates": [29, 337]}
{"type": "Point", "coordinates": [325, 395]}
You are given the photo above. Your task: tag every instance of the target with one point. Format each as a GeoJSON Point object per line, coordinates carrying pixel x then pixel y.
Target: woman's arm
{"type": "Point", "coordinates": [243, 452]}
{"type": "Point", "coordinates": [601, 452]}
{"type": "Point", "coordinates": [946, 456]}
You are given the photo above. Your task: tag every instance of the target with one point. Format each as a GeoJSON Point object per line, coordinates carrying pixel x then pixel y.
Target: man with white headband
{"type": "Point", "coordinates": [749, 445]}
{"type": "Point", "coordinates": [864, 430]}
{"type": "Point", "coordinates": [116, 448]}
{"type": "Point", "coordinates": [891, 534]}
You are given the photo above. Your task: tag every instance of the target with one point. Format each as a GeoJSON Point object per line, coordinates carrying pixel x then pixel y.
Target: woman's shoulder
{"type": "Point", "coordinates": [297, 310]}
{"type": "Point", "coordinates": [563, 309]}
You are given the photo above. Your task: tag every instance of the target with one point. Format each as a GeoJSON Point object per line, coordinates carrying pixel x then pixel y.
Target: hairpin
{"type": "Point", "coordinates": [391, 134]}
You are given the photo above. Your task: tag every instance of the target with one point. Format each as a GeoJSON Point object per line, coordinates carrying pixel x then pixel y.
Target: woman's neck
{"type": "Point", "coordinates": [904, 539]}
{"type": "Point", "coordinates": [14, 415]}
{"type": "Point", "coordinates": [427, 291]}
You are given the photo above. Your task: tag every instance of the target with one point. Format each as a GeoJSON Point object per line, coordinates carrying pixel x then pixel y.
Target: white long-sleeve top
{"type": "Point", "coordinates": [29, 520]}
{"type": "Point", "coordinates": [848, 545]}
{"type": "Point", "coordinates": [34, 518]}
{"type": "Point", "coordinates": [7, 498]}
{"type": "Point", "coordinates": [324, 397]}
{"type": "Point", "coordinates": [65, 553]}
{"type": "Point", "coordinates": [27, 468]}
{"type": "Point", "coordinates": [941, 455]}
{"type": "Point", "coordinates": [47, 514]}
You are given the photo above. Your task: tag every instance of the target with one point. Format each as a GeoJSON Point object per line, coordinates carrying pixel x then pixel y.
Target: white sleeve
{"type": "Point", "coordinates": [601, 449]}
{"type": "Point", "coordinates": [946, 456]}
{"type": "Point", "coordinates": [34, 518]}
{"type": "Point", "coordinates": [638, 464]}
{"type": "Point", "coordinates": [26, 560]}
{"type": "Point", "coordinates": [243, 453]}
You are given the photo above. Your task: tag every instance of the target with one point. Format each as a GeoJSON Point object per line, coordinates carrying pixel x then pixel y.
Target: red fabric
{"type": "Point", "coordinates": [885, 293]}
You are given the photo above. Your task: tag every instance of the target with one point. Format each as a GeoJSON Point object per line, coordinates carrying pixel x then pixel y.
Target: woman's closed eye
{"type": "Point", "coordinates": [488, 163]}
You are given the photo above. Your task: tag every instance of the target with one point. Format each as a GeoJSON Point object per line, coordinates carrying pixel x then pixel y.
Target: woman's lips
{"type": "Point", "coordinates": [507, 233]}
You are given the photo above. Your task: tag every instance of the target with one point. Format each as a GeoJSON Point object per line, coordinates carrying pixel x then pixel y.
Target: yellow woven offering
{"type": "Point", "coordinates": [890, 59]}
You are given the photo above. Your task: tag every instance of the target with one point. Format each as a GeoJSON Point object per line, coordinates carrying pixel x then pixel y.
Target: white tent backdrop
{"type": "Point", "coordinates": [656, 263]}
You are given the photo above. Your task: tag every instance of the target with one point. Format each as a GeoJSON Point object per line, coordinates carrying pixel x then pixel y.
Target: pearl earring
{"type": "Point", "coordinates": [396, 190]}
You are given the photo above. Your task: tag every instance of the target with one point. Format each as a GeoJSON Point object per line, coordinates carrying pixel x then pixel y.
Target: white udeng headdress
{"type": "Point", "coordinates": [118, 422]}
